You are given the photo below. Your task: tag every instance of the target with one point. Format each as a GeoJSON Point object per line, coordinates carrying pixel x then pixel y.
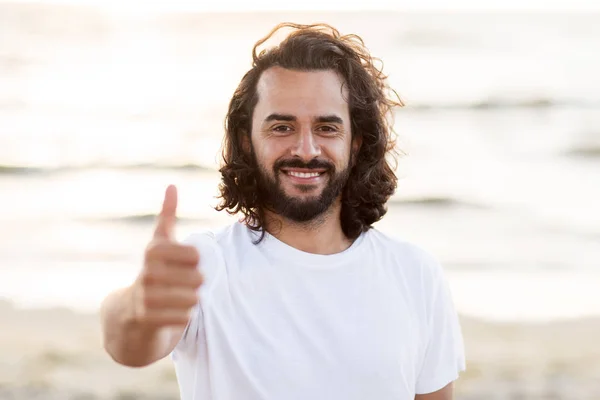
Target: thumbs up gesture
{"type": "Point", "coordinates": [166, 289]}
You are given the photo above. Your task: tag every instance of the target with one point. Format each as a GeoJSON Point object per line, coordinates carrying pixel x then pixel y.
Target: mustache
{"type": "Point", "coordinates": [297, 163]}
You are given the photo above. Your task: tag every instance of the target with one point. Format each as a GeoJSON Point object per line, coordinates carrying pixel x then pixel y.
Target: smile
{"type": "Point", "coordinates": [303, 174]}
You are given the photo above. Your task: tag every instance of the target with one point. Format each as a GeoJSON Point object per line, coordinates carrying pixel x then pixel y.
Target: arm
{"type": "Point", "coordinates": [446, 393]}
{"type": "Point", "coordinates": [127, 340]}
{"type": "Point", "coordinates": [143, 323]}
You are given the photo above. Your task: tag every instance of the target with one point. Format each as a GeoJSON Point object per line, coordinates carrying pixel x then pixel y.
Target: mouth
{"type": "Point", "coordinates": [301, 175]}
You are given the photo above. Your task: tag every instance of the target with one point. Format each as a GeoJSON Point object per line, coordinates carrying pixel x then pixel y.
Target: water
{"type": "Point", "coordinates": [99, 112]}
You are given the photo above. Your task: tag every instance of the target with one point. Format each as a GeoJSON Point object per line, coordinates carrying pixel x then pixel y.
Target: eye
{"type": "Point", "coordinates": [328, 128]}
{"type": "Point", "coordinates": [282, 128]}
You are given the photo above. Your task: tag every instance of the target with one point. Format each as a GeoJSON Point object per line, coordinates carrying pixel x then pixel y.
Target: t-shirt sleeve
{"type": "Point", "coordinates": [444, 355]}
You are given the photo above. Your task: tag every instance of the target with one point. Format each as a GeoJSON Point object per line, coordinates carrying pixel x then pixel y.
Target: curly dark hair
{"type": "Point", "coordinates": [307, 48]}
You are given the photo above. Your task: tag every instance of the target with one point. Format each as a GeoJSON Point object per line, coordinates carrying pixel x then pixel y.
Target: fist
{"type": "Point", "coordinates": [166, 289]}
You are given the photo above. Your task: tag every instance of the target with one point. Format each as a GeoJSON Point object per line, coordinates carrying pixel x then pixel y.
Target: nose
{"type": "Point", "coordinates": [306, 146]}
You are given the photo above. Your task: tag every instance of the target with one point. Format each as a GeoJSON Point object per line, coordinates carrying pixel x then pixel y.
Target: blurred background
{"type": "Point", "coordinates": [103, 104]}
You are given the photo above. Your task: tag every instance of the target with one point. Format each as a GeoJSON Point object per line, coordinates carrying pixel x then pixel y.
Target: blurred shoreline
{"type": "Point", "coordinates": [57, 354]}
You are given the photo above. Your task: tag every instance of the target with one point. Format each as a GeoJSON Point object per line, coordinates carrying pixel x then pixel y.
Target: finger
{"type": "Point", "coordinates": [165, 224]}
{"type": "Point", "coordinates": [173, 253]}
{"type": "Point", "coordinates": [166, 317]}
{"type": "Point", "coordinates": [170, 298]}
{"type": "Point", "coordinates": [174, 275]}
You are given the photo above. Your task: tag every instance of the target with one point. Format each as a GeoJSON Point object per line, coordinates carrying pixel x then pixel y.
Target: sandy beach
{"type": "Point", "coordinates": [57, 354]}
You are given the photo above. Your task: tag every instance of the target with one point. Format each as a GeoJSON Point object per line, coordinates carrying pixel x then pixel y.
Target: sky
{"type": "Point", "coordinates": [133, 6]}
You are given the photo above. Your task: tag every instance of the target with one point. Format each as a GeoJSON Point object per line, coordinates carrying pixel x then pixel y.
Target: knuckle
{"type": "Point", "coordinates": [196, 279]}
{"type": "Point", "coordinates": [190, 252]}
{"type": "Point", "coordinates": [152, 320]}
{"type": "Point", "coordinates": [187, 300]}
{"type": "Point", "coordinates": [194, 254]}
{"type": "Point", "coordinates": [156, 249]}
{"type": "Point", "coordinates": [194, 299]}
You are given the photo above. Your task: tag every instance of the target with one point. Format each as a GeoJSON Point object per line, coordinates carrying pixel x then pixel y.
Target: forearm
{"type": "Point", "coordinates": [125, 340]}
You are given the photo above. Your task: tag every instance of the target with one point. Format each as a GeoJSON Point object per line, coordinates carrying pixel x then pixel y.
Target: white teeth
{"type": "Point", "coordinates": [304, 174]}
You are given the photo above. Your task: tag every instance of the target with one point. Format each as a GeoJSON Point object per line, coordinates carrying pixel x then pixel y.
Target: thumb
{"type": "Point", "coordinates": [165, 224]}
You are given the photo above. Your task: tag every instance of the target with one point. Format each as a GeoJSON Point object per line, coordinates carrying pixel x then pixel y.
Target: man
{"type": "Point", "coordinates": [303, 299]}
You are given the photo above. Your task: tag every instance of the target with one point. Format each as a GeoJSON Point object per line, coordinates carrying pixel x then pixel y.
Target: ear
{"type": "Point", "coordinates": [245, 142]}
{"type": "Point", "coordinates": [356, 145]}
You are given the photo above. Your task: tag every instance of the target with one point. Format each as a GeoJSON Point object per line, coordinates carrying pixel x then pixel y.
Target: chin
{"type": "Point", "coordinates": [304, 192]}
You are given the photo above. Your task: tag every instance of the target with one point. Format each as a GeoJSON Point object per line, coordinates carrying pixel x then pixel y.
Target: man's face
{"type": "Point", "coordinates": [301, 141]}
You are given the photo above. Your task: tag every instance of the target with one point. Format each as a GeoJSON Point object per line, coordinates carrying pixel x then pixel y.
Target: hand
{"type": "Point", "coordinates": [166, 288]}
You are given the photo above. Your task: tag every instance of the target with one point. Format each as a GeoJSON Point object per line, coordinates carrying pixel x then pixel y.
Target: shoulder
{"type": "Point", "coordinates": [407, 258]}
{"type": "Point", "coordinates": [407, 252]}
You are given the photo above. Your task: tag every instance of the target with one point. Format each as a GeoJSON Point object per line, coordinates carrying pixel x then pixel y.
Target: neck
{"type": "Point", "coordinates": [323, 235]}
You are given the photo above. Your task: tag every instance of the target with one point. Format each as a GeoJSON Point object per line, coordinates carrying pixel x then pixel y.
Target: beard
{"type": "Point", "coordinates": [301, 210]}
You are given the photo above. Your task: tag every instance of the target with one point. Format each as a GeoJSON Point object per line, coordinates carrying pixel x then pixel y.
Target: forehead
{"type": "Point", "coordinates": [301, 93]}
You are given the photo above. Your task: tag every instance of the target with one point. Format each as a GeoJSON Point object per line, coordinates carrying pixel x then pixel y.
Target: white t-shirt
{"type": "Point", "coordinates": [375, 321]}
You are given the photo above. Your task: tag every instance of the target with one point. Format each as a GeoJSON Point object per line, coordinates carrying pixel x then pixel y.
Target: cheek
{"type": "Point", "coordinates": [268, 152]}
{"type": "Point", "coordinates": [264, 157]}
{"type": "Point", "coordinates": [341, 155]}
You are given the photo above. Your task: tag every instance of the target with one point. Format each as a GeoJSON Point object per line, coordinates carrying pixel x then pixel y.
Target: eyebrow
{"type": "Point", "coordinates": [332, 119]}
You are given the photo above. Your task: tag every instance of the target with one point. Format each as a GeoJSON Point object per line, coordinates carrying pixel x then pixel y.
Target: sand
{"type": "Point", "coordinates": [57, 354]}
